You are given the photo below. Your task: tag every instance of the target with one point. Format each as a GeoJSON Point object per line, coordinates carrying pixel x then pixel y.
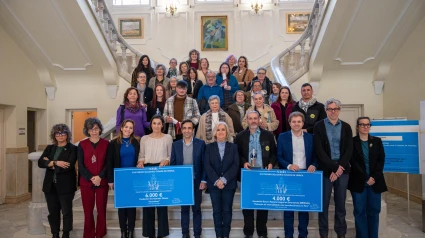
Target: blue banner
{"type": "Point", "coordinates": [281, 190]}
{"type": "Point", "coordinates": [401, 144]}
{"type": "Point", "coordinates": [153, 186]}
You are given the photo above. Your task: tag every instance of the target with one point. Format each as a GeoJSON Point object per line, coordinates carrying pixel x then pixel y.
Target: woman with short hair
{"type": "Point", "coordinates": [59, 183]}
{"type": "Point", "coordinates": [134, 110]}
{"type": "Point", "coordinates": [211, 118]}
{"type": "Point", "coordinates": [155, 150]}
{"type": "Point", "coordinates": [237, 110]}
{"type": "Point", "coordinates": [183, 70]}
{"type": "Point", "coordinates": [221, 167]}
{"type": "Point", "coordinates": [366, 181]}
{"type": "Point", "coordinates": [274, 95]}
{"type": "Point", "coordinates": [231, 61]}
{"type": "Point", "coordinates": [145, 92]}
{"type": "Point", "coordinates": [145, 66]}
{"type": "Point", "coordinates": [93, 177]}
{"type": "Point", "coordinates": [268, 119]}
{"type": "Point", "coordinates": [160, 78]}
{"type": "Point", "coordinates": [123, 152]}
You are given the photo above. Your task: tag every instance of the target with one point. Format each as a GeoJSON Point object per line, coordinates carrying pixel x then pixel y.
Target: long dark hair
{"type": "Point", "coordinates": [196, 74]}
{"type": "Point", "coordinates": [290, 100]}
{"type": "Point", "coordinates": [230, 70]}
{"type": "Point", "coordinates": [155, 97]}
{"type": "Point", "coordinates": [140, 67]}
{"type": "Point", "coordinates": [160, 118]}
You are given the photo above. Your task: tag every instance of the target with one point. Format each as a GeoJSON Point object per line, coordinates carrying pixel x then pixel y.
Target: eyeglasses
{"type": "Point", "coordinates": [60, 134]}
{"type": "Point", "coordinates": [365, 125]}
{"type": "Point", "coordinates": [261, 73]}
{"type": "Point", "coordinates": [333, 109]}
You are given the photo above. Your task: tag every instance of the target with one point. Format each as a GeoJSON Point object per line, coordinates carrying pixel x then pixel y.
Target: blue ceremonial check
{"type": "Point", "coordinates": [283, 190]}
{"type": "Point", "coordinates": [153, 186]}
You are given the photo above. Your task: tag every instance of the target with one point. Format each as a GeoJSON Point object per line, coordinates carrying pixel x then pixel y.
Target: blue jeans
{"type": "Point", "coordinates": [222, 202]}
{"type": "Point", "coordinates": [288, 223]}
{"type": "Point", "coordinates": [340, 194]}
{"type": "Point", "coordinates": [367, 206]}
{"type": "Point", "coordinates": [197, 214]}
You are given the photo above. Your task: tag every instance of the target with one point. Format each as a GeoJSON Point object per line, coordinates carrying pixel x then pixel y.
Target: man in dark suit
{"type": "Point", "coordinates": [295, 152]}
{"type": "Point", "coordinates": [256, 148]}
{"type": "Point", "coordinates": [333, 143]}
{"type": "Point", "coordinates": [186, 151]}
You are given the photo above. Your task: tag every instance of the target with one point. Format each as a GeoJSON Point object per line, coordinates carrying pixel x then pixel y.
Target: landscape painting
{"type": "Point", "coordinates": [296, 22]}
{"type": "Point", "coordinates": [131, 28]}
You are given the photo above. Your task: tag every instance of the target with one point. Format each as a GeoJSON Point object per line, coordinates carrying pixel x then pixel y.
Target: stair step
{"type": "Point", "coordinates": [274, 228]}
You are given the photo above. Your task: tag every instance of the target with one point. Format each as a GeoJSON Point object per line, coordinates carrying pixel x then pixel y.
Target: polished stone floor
{"type": "Point", "coordinates": [13, 219]}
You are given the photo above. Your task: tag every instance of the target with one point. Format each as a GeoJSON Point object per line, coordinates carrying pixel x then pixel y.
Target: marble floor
{"type": "Point", "coordinates": [13, 219]}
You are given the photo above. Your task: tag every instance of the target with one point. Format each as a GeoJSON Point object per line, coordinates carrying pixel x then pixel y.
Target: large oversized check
{"type": "Point", "coordinates": [281, 190]}
{"type": "Point", "coordinates": [153, 186]}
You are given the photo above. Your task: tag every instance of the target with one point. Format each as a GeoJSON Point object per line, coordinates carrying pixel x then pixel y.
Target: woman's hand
{"type": "Point", "coordinates": [62, 164]}
{"type": "Point", "coordinates": [96, 180]}
{"type": "Point", "coordinates": [111, 186]}
{"type": "Point", "coordinates": [140, 165]}
{"type": "Point", "coordinates": [164, 163]}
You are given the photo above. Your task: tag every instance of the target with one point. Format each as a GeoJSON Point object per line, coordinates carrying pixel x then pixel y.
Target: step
{"type": "Point", "coordinates": [274, 229]}
{"type": "Point", "coordinates": [207, 213]}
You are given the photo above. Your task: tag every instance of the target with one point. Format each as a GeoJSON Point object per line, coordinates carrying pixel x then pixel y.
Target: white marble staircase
{"type": "Point", "coordinates": [275, 222]}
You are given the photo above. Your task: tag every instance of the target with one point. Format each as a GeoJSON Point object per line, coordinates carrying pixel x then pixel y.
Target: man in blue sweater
{"type": "Point", "coordinates": [207, 90]}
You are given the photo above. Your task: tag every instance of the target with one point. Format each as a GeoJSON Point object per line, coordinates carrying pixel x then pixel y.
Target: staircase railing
{"type": "Point", "coordinates": [293, 62]}
{"type": "Point", "coordinates": [126, 56]}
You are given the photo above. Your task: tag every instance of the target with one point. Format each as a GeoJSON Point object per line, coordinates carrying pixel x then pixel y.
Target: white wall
{"type": "Point", "coordinates": [259, 38]}
{"type": "Point", "coordinates": [20, 89]}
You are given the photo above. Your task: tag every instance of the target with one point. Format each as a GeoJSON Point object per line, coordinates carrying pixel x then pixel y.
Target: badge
{"type": "Point", "coordinates": [370, 145]}
{"type": "Point", "coordinates": [267, 148]}
{"type": "Point", "coordinates": [312, 116]}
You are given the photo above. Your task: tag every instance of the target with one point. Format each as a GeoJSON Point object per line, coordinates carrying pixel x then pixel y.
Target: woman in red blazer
{"type": "Point", "coordinates": [282, 108]}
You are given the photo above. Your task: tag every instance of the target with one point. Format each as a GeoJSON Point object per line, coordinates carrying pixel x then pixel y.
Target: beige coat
{"type": "Point", "coordinates": [202, 130]}
{"type": "Point", "coordinates": [266, 115]}
{"type": "Point", "coordinates": [201, 77]}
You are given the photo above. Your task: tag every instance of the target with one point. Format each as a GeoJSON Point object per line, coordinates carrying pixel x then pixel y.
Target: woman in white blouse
{"type": "Point", "coordinates": [155, 150]}
{"type": "Point", "coordinates": [211, 118]}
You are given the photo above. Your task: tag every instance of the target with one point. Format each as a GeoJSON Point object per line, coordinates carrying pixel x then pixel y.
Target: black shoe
{"type": "Point", "coordinates": [248, 236]}
{"type": "Point", "coordinates": [341, 236]}
{"type": "Point", "coordinates": [262, 236]}
{"type": "Point", "coordinates": [124, 234]}
{"type": "Point", "coordinates": [186, 236]}
{"type": "Point", "coordinates": [55, 235]}
{"type": "Point", "coordinates": [65, 234]}
{"type": "Point", "coordinates": [130, 234]}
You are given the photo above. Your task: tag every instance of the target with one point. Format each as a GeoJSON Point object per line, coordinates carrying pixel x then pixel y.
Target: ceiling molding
{"type": "Point", "coordinates": [21, 24]}
{"type": "Point", "coordinates": [384, 41]}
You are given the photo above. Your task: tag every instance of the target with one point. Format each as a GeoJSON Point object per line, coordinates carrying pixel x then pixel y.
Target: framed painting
{"type": "Point", "coordinates": [131, 28]}
{"type": "Point", "coordinates": [214, 31]}
{"type": "Point", "coordinates": [297, 22]}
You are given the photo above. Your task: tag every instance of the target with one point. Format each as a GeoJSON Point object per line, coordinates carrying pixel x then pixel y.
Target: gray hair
{"type": "Point", "coordinates": [163, 67]}
{"type": "Point", "coordinates": [214, 97]}
{"type": "Point", "coordinates": [211, 72]}
{"type": "Point", "coordinates": [229, 137]}
{"type": "Point", "coordinates": [252, 111]}
{"type": "Point", "coordinates": [90, 123]}
{"type": "Point", "coordinates": [262, 68]}
{"type": "Point", "coordinates": [62, 128]}
{"type": "Point", "coordinates": [332, 100]}
{"type": "Point", "coordinates": [258, 93]}
{"type": "Point", "coordinates": [173, 59]}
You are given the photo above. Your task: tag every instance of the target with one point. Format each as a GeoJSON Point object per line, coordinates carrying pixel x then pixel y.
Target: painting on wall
{"type": "Point", "coordinates": [214, 33]}
{"type": "Point", "coordinates": [296, 22]}
{"type": "Point", "coordinates": [131, 28]}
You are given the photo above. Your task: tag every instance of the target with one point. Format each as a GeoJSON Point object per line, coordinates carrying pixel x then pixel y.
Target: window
{"type": "Point", "coordinates": [130, 2]}
{"type": "Point", "coordinates": [249, 1]}
{"type": "Point", "coordinates": [214, 1]}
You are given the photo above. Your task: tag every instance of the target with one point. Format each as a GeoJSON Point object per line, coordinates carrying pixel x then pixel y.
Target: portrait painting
{"type": "Point", "coordinates": [214, 33]}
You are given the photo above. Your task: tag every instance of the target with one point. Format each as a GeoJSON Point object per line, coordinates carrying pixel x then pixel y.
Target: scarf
{"type": "Point", "coordinates": [208, 122]}
{"type": "Point", "coordinates": [305, 105]}
{"type": "Point", "coordinates": [133, 108]}
{"type": "Point", "coordinates": [142, 92]}
{"type": "Point", "coordinates": [172, 72]}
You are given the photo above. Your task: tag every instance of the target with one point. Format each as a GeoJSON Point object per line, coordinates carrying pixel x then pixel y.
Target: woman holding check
{"type": "Point", "coordinates": [155, 150]}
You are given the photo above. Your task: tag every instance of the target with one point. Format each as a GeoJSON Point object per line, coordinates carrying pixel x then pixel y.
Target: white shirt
{"type": "Point", "coordinates": [298, 151]}
{"type": "Point", "coordinates": [215, 119]}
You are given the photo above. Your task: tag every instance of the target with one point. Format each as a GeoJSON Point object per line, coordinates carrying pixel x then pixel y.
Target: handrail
{"type": "Point", "coordinates": [112, 36]}
{"type": "Point", "coordinates": [294, 62]}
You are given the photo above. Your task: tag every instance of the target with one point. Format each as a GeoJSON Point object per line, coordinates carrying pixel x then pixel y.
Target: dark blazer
{"type": "Point", "coordinates": [285, 153]}
{"type": "Point", "coordinates": [278, 112]}
{"type": "Point", "coordinates": [358, 176]}
{"type": "Point", "coordinates": [314, 114]}
{"type": "Point", "coordinates": [323, 149]}
{"type": "Point", "coordinates": [227, 168]}
{"type": "Point", "coordinates": [148, 95]}
{"type": "Point", "coordinates": [66, 178]}
{"type": "Point", "coordinates": [198, 158]}
{"type": "Point", "coordinates": [268, 147]}
{"type": "Point", "coordinates": [233, 112]}
{"type": "Point", "coordinates": [193, 91]}
{"type": "Point", "coordinates": [113, 157]}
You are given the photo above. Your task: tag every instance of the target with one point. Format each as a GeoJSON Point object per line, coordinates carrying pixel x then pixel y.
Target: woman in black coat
{"type": "Point", "coordinates": [59, 184]}
{"type": "Point", "coordinates": [222, 166]}
{"type": "Point", "coordinates": [123, 152]}
{"type": "Point", "coordinates": [366, 181]}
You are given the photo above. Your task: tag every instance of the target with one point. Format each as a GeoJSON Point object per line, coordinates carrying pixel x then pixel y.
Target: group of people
{"type": "Point", "coordinates": [218, 125]}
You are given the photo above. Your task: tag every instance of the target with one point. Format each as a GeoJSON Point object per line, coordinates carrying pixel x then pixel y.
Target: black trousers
{"type": "Point", "coordinates": [55, 203]}
{"type": "Point", "coordinates": [149, 219]}
{"type": "Point", "coordinates": [127, 218]}
{"type": "Point", "coordinates": [261, 223]}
